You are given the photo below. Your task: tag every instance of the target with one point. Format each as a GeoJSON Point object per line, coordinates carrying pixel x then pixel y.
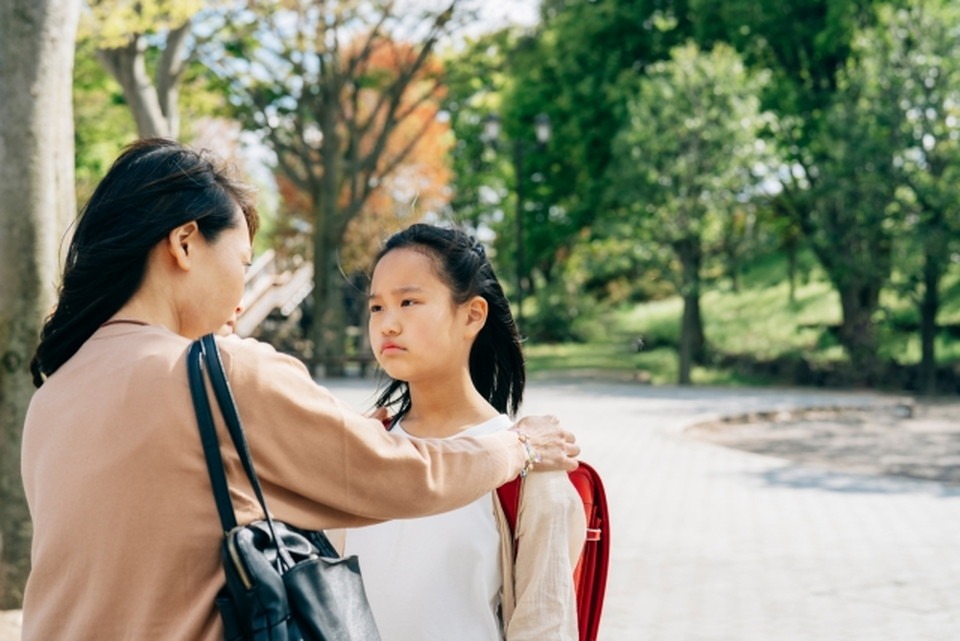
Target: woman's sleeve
{"type": "Point", "coordinates": [322, 464]}
{"type": "Point", "coordinates": [551, 529]}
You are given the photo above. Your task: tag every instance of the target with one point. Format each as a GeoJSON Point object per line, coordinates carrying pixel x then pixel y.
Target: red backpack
{"type": "Point", "coordinates": [590, 575]}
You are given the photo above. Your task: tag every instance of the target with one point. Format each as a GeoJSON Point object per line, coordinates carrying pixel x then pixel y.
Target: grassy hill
{"type": "Point", "coordinates": [758, 324]}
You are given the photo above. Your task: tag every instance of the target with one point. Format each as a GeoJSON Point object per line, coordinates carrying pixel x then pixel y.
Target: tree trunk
{"type": "Point", "coordinates": [692, 339]}
{"type": "Point", "coordinates": [858, 335]}
{"type": "Point", "coordinates": [154, 106]}
{"type": "Point", "coordinates": [791, 247]}
{"type": "Point", "coordinates": [36, 200]}
{"type": "Point", "coordinates": [328, 331]}
{"type": "Point", "coordinates": [169, 74]}
{"type": "Point", "coordinates": [733, 271]}
{"type": "Point", "coordinates": [929, 306]}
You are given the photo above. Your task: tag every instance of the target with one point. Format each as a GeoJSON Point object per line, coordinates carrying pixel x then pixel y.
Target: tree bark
{"type": "Point", "coordinates": [791, 248]}
{"type": "Point", "coordinates": [36, 201]}
{"type": "Point", "coordinates": [129, 69]}
{"type": "Point", "coordinates": [859, 301]}
{"type": "Point", "coordinates": [929, 306]}
{"type": "Point", "coordinates": [154, 105]}
{"type": "Point", "coordinates": [327, 333]}
{"type": "Point", "coordinates": [692, 338]}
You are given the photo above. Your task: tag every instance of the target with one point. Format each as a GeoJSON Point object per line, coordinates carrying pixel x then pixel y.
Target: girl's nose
{"type": "Point", "coordinates": [388, 324]}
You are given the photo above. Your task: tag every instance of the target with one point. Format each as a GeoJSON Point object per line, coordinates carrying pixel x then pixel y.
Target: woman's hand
{"type": "Point", "coordinates": [550, 447]}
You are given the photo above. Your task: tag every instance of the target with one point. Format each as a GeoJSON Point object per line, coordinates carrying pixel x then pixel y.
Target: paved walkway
{"type": "Point", "coordinates": [716, 544]}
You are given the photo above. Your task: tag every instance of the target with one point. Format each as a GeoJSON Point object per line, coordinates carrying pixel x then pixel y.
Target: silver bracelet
{"type": "Point", "coordinates": [533, 456]}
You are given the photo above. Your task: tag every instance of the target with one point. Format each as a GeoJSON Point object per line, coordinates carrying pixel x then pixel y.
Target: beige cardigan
{"type": "Point", "coordinates": [125, 531]}
{"type": "Point", "coordinates": [538, 599]}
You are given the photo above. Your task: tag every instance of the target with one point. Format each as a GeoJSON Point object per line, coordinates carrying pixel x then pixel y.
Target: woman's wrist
{"type": "Point", "coordinates": [532, 456]}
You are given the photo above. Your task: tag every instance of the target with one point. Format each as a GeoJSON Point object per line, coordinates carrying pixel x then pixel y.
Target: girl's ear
{"type": "Point", "coordinates": [179, 242]}
{"type": "Point", "coordinates": [477, 310]}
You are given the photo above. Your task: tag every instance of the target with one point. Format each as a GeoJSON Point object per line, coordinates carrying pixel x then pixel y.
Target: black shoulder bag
{"type": "Point", "coordinates": [283, 583]}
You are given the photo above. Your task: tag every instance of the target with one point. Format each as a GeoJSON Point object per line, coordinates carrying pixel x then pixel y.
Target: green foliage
{"type": "Point", "coordinates": [571, 70]}
{"type": "Point", "coordinates": [474, 80]}
{"type": "Point", "coordinates": [111, 22]}
{"type": "Point", "coordinates": [599, 359]}
{"type": "Point", "coordinates": [918, 49]}
{"type": "Point", "coordinates": [691, 148]}
{"type": "Point", "coordinates": [688, 165]}
{"type": "Point", "coordinates": [102, 122]}
{"type": "Point", "coordinates": [757, 324]}
{"type": "Point", "coordinates": [559, 311]}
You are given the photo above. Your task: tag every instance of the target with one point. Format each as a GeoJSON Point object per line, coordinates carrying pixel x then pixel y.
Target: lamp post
{"type": "Point", "coordinates": [542, 132]}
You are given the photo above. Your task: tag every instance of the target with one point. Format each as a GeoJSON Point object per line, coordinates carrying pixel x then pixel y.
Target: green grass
{"type": "Point", "coordinates": [759, 321]}
{"type": "Point", "coordinates": [607, 356]}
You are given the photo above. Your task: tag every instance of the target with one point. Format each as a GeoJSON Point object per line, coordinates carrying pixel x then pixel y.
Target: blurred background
{"type": "Point", "coordinates": [724, 192]}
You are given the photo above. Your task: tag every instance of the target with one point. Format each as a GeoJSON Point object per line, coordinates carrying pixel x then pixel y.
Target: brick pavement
{"type": "Point", "coordinates": [714, 544]}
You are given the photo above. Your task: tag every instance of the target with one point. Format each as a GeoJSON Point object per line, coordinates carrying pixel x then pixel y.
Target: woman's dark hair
{"type": "Point", "coordinates": [496, 358]}
{"type": "Point", "coordinates": [155, 186]}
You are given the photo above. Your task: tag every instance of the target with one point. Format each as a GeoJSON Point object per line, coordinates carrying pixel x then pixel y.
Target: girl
{"type": "Point", "coordinates": [440, 326]}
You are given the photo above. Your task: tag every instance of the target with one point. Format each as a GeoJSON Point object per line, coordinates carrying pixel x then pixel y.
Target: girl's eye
{"type": "Point", "coordinates": [406, 302]}
{"type": "Point", "coordinates": [375, 308]}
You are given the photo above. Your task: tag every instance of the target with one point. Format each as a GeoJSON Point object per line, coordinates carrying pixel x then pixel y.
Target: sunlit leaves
{"type": "Point", "coordinates": [112, 22]}
{"type": "Point", "coordinates": [691, 148]}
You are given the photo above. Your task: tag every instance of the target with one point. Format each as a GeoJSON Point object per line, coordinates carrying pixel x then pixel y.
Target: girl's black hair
{"type": "Point", "coordinates": [496, 358]}
{"type": "Point", "coordinates": [155, 186]}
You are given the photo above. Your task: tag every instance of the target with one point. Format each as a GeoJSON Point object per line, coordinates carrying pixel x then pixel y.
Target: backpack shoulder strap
{"type": "Point", "coordinates": [590, 575]}
{"type": "Point", "coordinates": [587, 482]}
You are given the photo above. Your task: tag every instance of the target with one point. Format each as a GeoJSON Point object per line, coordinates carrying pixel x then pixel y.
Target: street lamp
{"type": "Point", "coordinates": [542, 132]}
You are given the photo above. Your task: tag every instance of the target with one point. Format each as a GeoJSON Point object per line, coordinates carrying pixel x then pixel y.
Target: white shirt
{"type": "Point", "coordinates": [435, 578]}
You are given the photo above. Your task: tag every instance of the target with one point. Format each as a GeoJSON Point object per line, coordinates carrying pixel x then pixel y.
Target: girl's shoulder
{"type": "Point", "coordinates": [551, 493]}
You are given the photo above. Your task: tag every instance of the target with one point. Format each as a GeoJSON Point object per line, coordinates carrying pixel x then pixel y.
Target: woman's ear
{"type": "Point", "coordinates": [179, 242]}
{"type": "Point", "coordinates": [477, 310]}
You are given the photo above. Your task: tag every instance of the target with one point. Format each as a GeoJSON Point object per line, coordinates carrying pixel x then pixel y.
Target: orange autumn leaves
{"type": "Point", "coordinates": [412, 175]}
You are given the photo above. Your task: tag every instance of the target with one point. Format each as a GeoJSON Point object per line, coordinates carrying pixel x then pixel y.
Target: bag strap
{"type": "Point", "coordinates": [228, 407]}
{"type": "Point", "coordinates": [210, 355]}
{"type": "Point", "coordinates": [208, 438]}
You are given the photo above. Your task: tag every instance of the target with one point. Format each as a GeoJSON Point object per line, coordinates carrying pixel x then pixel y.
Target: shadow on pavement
{"type": "Point", "coordinates": [808, 478]}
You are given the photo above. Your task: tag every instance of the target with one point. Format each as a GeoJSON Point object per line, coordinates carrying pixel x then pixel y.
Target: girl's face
{"type": "Point", "coordinates": [417, 332]}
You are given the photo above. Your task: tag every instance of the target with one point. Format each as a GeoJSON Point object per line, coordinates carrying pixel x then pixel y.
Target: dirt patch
{"type": "Point", "coordinates": [918, 441]}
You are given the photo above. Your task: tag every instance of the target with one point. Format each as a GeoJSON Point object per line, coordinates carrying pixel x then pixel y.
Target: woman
{"type": "Point", "coordinates": [126, 534]}
{"type": "Point", "coordinates": [441, 327]}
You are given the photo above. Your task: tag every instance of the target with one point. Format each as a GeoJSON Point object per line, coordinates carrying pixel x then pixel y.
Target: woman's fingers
{"type": "Point", "coordinates": [555, 447]}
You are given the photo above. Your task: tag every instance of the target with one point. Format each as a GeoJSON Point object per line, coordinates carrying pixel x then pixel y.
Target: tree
{"type": "Point", "coordinates": [420, 185]}
{"type": "Point", "coordinates": [130, 35]}
{"type": "Point", "coordinates": [36, 202]}
{"type": "Point", "coordinates": [841, 191]}
{"type": "Point", "coordinates": [916, 48]}
{"type": "Point", "coordinates": [102, 122]}
{"type": "Point", "coordinates": [572, 69]}
{"type": "Point", "coordinates": [682, 174]}
{"type": "Point", "coordinates": [835, 131]}
{"type": "Point", "coordinates": [475, 79]}
{"type": "Point", "coordinates": [330, 85]}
